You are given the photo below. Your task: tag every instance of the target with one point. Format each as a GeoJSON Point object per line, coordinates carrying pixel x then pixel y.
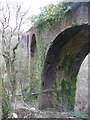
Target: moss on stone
{"type": "Point", "coordinates": [40, 57]}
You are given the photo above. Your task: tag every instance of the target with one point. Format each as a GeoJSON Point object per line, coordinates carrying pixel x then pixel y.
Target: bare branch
{"type": "Point", "coordinates": [11, 38]}
{"type": "Point", "coordinates": [15, 47]}
{"type": "Point", "coordinates": [8, 16]}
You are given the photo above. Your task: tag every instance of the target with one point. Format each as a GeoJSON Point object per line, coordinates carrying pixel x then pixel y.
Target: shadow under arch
{"type": "Point", "coordinates": [62, 63]}
{"type": "Point", "coordinates": [33, 45]}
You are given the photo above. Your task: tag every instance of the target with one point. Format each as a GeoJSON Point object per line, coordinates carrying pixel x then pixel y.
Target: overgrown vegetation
{"type": "Point", "coordinates": [64, 94]}
{"type": "Point", "coordinates": [51, 13]}
{"type": "Point", "coordinates": [40, 60]}
{"type": "Point", "coordinates": [25, 73]}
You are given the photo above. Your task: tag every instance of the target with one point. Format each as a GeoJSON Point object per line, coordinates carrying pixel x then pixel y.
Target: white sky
{"type": "Point", "coordinates": [34, 5]}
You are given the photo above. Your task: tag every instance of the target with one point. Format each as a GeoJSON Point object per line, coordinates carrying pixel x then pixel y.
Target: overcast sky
{"type": "Point", "coordinates": [36, 4]}
{"type": "Point", "coordinates": [33, 5]}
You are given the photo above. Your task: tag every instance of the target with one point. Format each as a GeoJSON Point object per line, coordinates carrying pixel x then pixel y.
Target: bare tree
{"type": "Point", "coordinates": [11, 37]}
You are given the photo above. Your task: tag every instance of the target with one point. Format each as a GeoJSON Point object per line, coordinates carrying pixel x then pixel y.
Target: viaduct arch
{"type": "Point", "coordinates": [66, 46]}
{"type": "Point", "coordinates": [62, 64]}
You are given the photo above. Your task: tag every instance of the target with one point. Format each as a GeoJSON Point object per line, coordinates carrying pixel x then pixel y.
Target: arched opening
{"type": "Point", "coordinates": [33, 45]}
{"type": "Point", "coordinates": [81, 99]}
{"type": "Point", "coordinates": [61, 67]}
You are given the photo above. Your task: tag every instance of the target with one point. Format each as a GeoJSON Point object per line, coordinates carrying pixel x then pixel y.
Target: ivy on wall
{"type": "Point", "coordinates": [40, 57]}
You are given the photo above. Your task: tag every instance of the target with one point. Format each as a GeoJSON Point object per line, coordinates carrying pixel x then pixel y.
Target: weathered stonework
{"type": "Point", "coordinates": [60, 53]}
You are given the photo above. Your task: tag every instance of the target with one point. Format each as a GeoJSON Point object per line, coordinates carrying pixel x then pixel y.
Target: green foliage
{"type": "Point", "coordinates": [68, 88]}
{"type": "Point", "coordinates": [64, 93]}
{"type": "Point", "coordinates": [49, 14]}
{"type": "Point", "coordinates": [40, 57]}
{"type": "Point", "coordinates": [52, 13]}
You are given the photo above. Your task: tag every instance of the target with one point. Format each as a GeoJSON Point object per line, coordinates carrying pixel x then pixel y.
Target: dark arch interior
{"type": "Point", "coordinates": [33, 45]}
{"type": "Point", "coordinates": [55, 52]}
{"type": "Point", "coordinates": [63, 61]}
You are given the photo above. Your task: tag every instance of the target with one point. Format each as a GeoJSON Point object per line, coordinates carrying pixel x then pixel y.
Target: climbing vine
{"type": "Point", "coordinates": [40, 57]}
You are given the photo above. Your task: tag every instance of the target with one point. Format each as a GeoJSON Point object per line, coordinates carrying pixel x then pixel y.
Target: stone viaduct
{"type": "Point", "coordinates": [61, 51]}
